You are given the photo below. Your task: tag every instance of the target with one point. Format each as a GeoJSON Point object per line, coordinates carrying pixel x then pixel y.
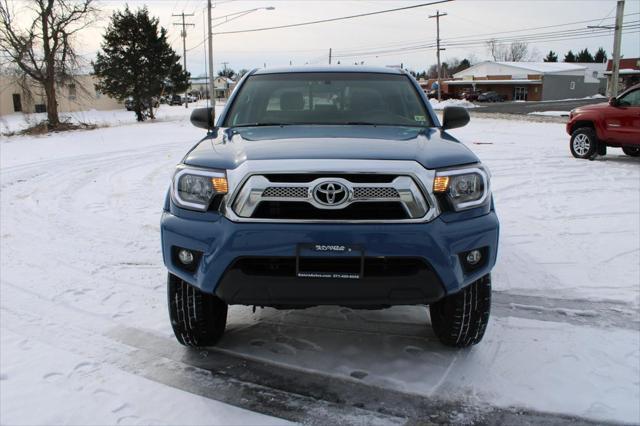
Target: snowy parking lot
{"type": "Point", "coordinates": [85, 334]}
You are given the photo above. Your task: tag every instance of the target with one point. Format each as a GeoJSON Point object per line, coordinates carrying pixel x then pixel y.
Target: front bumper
{"type": "Point", "coordinates": [223, 243]}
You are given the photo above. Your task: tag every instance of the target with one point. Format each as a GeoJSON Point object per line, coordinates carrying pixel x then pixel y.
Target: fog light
{"type": "Point", "coordinates": [473, 257]}
{"type": "Point", "coordinates": [185, 256]}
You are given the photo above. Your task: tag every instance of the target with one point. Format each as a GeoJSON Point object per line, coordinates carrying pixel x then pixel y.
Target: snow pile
{"type": "Point", "coordinates": [18, 121]}
{"type": "Point", "coordinates": [451, 102]}
{"type": "Point", "coordinates": [550, 113]}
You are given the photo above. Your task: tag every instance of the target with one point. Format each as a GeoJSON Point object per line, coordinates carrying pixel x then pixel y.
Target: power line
{"type": "Point", "coordinates": [535, 37]}
{"type": "Point", "coordinates": [402, 44]}
{"type": "Point", "coordinates": [184, 43]}
{"type": "Point", "coordinates": [341, 18]}
{"type": "Point", "coordinates": [438, 48]}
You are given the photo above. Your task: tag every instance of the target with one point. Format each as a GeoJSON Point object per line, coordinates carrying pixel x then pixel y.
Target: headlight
{"type": "Point", "coordinates": [464, 188]}
{"type": "Point", "coordinates": [195, 188]}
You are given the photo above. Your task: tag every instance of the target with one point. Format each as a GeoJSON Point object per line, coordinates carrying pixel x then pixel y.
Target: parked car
{"type": "Point", "coordinates": [470, 95]}
{"type": "Point", "coordinates": [490, 97]}
{"type": "Point", "coordinates": [191, 98]}
{"type": "Point", "coordinates": [433, 94]}
{"type": "Point", "coordinates": [176, 100]}
{"type": "Point", "coordinates": [615, 124]}
{"type": "Point", "coordinates": [365, 202]}
{"type": "Point", "coordinates": [129, 103]}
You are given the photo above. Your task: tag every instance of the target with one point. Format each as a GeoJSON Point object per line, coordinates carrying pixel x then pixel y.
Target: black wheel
{"type": "Point", "coordinates": [460, 320]}
{"type": "Point", "coordinates": [198, 319]}
{"type": "Point", "coordinates": [583, 143]}
{"type": "Point", "coordinates": [632, 151]}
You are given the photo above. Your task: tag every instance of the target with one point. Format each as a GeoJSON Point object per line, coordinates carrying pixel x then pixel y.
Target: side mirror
{"type": "Point", "coordinates": [613, 101]}
{"type": "Point", "coordinates": [454, 117]}
{"type": "Point", "coordinates": [201, 117]}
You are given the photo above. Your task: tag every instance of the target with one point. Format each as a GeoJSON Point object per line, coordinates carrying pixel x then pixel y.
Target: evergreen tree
{"type": "Point", "coordinates": [464, 64]}
{"type": "Point", "coordinates": [227, 72]}
{"type": "Point", "coordinates": [551, 57]}
{"type": "Point", "coordinates": [584, 56]}
{"type": "Point", "coordinates": [600, 56]}
{"type": "Point", "coordinates": [137, 61]}
{"type": "Point", "coordinates": [569, 57]}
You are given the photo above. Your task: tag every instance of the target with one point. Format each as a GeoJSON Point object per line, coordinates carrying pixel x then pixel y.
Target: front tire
{"type": "Point", "coordinates": [460, 320]}
{"type": "Point", "coordinates": [584, 143]}
{"type": "Point", "coordinates": [198, 319]}
{"type": "Point", "coordinates": [631, 151]}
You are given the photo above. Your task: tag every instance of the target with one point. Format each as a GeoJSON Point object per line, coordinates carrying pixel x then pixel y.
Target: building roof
{"type": "Point", "coordinates": [545, 67]}
{"type": "Point", "coordinates": [528, 67]}
{"type": "Point", "coordinates": [625, 71]}
{"type": "Point", "coordinates": [514, 82]}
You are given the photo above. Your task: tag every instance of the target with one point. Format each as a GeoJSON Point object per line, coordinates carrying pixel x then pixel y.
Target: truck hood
{"type": "Point", "coordinates": [233, 146]}
{"type": "Point", "coordinates": [592, 107]}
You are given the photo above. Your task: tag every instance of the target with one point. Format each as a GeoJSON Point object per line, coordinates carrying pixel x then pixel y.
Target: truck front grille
{"type": "Point", "coordinates": [329, 197]}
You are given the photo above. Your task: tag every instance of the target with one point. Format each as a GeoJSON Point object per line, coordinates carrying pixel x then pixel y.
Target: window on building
{"type": "Point", "coordinates": [98, 94]}
{"type": "Point", "coordinates": [17, 103]}
{"type": "Point", "coordinates": [595, 74]}
{"type": "Point", "coordinates": [72, 91]}
{"type": "Point", "coordinates": [572, 85]}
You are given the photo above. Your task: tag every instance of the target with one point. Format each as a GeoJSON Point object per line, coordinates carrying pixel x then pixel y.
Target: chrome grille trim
{"type": "Point", "coordinates": [375, 192]}
{"type": "Point", "coordinates": [286, 192]}
{"type": "Point", "coordinates": [415, 179]}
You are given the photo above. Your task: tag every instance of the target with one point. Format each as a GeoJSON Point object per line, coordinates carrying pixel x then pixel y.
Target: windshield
{"type": "Point", "coordinates": [328, 98]}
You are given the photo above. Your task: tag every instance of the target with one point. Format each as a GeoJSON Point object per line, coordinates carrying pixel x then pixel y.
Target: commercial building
{"type": "Point", "coordinates": [78, 96]}
{"type": "Point", "coordinates": [530, 81]}
{"type": "Point", "coordinates": [629, 73]}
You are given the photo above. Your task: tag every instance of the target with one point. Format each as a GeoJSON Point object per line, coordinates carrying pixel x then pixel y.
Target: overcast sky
{"type": "Point", "coordinates": [310, 44]}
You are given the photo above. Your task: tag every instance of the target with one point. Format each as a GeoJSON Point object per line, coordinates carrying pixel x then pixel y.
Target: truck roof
{"type": "Point", "coordinates": [329, 68]}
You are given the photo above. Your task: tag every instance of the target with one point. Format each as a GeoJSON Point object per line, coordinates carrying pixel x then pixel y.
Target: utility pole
{"type": "Point", "coordinates": [329, 56]}
{"type": "Point", "coordinates": [183, 34]}
{"type": "Point", "coordinates": [211, 90]}
{"type": "Point", "coordinates": [438, 49]}
{"type": "Point", "coordinates": [617, 39]}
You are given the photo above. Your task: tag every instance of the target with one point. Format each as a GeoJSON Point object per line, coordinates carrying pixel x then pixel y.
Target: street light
{"type": "Point", "coordinates": [227, 18]}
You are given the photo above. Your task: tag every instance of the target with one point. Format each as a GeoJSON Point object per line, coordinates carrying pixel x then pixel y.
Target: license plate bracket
{"type": "Point", "coordinates": [334, 261]}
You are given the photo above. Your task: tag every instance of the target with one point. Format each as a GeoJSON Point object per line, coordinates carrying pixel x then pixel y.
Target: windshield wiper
{"type": "Point", "coordinates": [263, 124]}
{"type": "Point", "coordinates": [367, 123]}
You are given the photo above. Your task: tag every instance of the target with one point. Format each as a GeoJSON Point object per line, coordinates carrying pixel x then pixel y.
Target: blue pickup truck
{"type": "Point", "coordinates": [329, 186]}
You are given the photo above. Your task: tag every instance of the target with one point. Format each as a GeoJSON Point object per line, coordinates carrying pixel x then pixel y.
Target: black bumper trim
{"type": "Point", "coordinates": [272, 281]}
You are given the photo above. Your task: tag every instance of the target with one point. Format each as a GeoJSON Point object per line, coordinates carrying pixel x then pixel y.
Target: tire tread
{"type": "Point", "coordinates": [198, 319]}
{"type": "Point", "coordinates": [460, 320]}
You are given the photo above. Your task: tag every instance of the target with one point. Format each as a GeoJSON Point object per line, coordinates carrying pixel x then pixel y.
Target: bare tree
{"type": "Point", "coordinates": [495, 50]}
{"type": "Point", "coordinates": [43, 49]}
{"type": "Point", "coordinates": [516, 51]}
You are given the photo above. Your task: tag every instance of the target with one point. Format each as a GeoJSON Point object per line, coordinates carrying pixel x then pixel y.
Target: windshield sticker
{"type": "Point", "coordinates": [419, 118]}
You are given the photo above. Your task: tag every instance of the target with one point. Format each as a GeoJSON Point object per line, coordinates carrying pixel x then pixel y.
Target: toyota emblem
{"type": "Point", "coordinates": [330, 193]}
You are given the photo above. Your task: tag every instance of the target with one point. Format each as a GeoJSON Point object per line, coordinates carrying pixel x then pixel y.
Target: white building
{"type": "Point", "coordinates": [533, 81]}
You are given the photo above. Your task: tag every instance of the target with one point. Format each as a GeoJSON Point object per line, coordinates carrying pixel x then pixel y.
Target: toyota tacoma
{"type": "Point", "coordinates": [329, 186]}
{"type": "Point", "coordinates": [615, 124]}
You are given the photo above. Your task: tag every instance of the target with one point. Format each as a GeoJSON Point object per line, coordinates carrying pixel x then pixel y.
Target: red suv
{"type": "Point", "coordinates": [616, 124]}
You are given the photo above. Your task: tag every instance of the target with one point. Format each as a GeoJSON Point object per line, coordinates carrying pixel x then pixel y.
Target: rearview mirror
{"type": "Point", "coordinates": [454, 117]}
{"type": "Point", "coordinates": [613, 101]}
{"type": "Point", "coordinates": [202, 118]}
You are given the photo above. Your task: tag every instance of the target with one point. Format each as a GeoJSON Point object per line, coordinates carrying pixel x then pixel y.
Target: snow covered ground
{"type": "Point", "coordinates": [81, 265]}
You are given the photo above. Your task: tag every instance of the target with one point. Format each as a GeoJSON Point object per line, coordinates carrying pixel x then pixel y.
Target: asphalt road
{"type": "Point", "coordinates": [527, 107]}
